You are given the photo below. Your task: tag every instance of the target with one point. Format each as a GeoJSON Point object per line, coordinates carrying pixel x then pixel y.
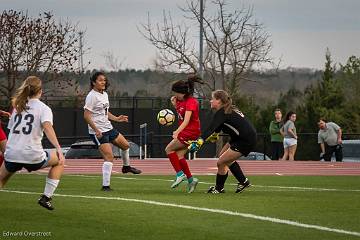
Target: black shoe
{"type": "Point", "coordinates": [241, 186]}
{"type": "Point", "coordinates": [127, 169]}
{"type": "Point", "coordinates": [106, 189]}
{"type": "Point", "coordinates": [214, 190]}
{"type": "Point", "coordinates": [45, 202]}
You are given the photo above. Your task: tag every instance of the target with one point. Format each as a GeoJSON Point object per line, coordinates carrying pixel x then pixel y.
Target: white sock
{"type": "Point", "coordinates": [50, 186]}
{"type": "Point", "coordinates": [125, 157]}
{"type": "Point", "coordinates": [106, 169]}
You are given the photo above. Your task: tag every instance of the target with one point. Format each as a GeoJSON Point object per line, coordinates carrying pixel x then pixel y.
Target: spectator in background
{"type": "Point", "coordinates": [290, 136]}
{"type": "Point", "coordinates": [277, 147]}
{"type": "Point", "coordinates": [329, 138]}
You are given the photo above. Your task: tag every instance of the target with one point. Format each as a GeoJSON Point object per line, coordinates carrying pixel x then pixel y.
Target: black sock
{"type": "Point", "coordinates": [220, 181]}
{"type": "Point", "coordinates": [237, 172]}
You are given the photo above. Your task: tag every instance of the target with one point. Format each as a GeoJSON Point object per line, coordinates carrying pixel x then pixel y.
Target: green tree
{"type": "Point", "coordinates": [349, 78]}
{"type": "Point", "coordinates": [325, 99]}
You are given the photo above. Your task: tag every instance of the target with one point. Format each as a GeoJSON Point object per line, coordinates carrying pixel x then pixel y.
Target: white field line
{"type": "Point", "coordinates": [211, 210]}
{"type": "Point", "coordinates": [234, 184]}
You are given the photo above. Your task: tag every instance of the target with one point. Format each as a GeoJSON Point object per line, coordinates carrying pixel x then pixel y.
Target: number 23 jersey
{"type": "Point", "coordinates": [26, 132]}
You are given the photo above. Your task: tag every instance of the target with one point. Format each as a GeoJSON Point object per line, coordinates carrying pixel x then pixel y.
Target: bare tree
{"type": "Point", "coordinates": [113, 62]}
{"type": "Point", "coordinates": [35, 45]}
{"type": "Point", "coordinates": [234, 43]}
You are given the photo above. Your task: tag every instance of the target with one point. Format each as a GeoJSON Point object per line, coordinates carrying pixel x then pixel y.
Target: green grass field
{"type": "Point", "coordinates": [135, 210]}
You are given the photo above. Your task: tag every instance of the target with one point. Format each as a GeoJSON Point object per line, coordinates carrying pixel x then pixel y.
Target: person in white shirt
{"type": "Point", "coordinates": [97, 116]}
{"type": "Point", "coordinates": [29, 120]}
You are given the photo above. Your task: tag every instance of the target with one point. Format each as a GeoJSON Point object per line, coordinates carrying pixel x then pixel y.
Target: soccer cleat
{"type": "Point", "coordinates": [178, 180]}
{"type": "Point", "coordinates": [106, 188]}
{"type": "Point", "coordinates": [214, 190]}
{"type": "Point", "coordinates": [45, 202]}
{"type": "Point", "coordinates": [129, 169]}
{"type": "Point", "coordinates": [192, 185]}
{"type": "Point", "coordinates": [241, 186]}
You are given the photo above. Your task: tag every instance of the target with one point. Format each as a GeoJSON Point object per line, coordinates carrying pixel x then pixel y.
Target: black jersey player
{"type": "Point", "coordinates": [232, 121]}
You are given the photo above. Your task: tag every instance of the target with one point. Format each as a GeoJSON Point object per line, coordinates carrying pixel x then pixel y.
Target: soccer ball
{"type": "Point", "coordinates": [166, 117]}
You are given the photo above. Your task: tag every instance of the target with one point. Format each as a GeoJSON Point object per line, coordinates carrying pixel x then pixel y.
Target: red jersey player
{"type": "Point", "coordinates": [187, 108]}
{"type": "Point", "coordinates": [3, 138]}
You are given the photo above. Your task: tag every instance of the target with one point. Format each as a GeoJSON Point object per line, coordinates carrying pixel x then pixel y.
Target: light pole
{"type": "Point", "coordinates": [201, 71]}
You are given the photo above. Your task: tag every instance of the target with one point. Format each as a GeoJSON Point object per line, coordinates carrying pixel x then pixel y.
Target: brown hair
{"type": "Point", "coordinates": [29, 88]}
{"type": "Point", "coordinates": [186, 87]}
{"type": "Point", "coordinates": [323, 119]}
{"type": "Point", "coordinates": [225, 99]}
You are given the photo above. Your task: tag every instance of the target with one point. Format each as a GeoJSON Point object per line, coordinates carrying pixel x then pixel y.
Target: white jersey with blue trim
{"type": "Point", "coordinates": [26, 132]}
{"type": "Point", "coordinates": [98, 104]}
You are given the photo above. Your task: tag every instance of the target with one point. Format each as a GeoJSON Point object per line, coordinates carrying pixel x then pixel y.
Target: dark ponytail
{"type": "Point", "coordinates": [288, 116]}
{"type": "Point", "coordinates": [186, 87]}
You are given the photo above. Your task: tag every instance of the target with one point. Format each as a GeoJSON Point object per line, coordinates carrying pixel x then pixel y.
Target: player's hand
{"type": "Point", "coordinates": [322, 155]}
{"type": "Point", "coordinates": [122, 118]}
{"type": "Point", "coordinates": [98, 134]}
{"type": "Point", "coordinates": [175, 134]}
{"type": "Point", "coordinates": [5, 114]}
{"type": "Point", "coordinates": [60, 156]}
{"type": "Point", "coordinates": [194, 146]}
{"type": "Point", "coordinates": [173, 101]}
{"type": "Point", "coordinates": [213, 137]}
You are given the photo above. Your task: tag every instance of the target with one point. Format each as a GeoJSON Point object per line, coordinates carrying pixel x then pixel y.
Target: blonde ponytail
{"type": "Point", "coordinates": [29, 88]}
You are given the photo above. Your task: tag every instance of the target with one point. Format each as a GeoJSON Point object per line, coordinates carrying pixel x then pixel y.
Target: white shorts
{"type": "Point", "coordinates": [288, 142]}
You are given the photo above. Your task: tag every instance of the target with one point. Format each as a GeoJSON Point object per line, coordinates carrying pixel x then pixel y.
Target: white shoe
{"type": "Point", "coordinates": [178, 180]}
{"type": "Point", "coordinates": [192, 185]}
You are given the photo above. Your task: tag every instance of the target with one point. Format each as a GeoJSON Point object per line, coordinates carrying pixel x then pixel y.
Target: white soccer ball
{"type": "Point", "coordinates": [166, 117]}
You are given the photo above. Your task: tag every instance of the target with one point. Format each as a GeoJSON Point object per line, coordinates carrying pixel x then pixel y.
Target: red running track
{"type": "Point", "coordinates": [208, 167]}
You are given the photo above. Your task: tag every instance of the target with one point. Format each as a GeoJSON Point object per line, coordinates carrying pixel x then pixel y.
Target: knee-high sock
{"type": "Point", "coordinates": [50, 186]}
{"type": "Point", "coordinates": [174, 159]}
{"type": "Point", "coordinates": [106, 169]}
{"type": "Point", "coordinates": [220, 181]}
{"type": "Point", "coordinates": [185, 167]}
{"type": "Point", "coordinates": [237, 172]}
{"type": "Point", "coordinates": [125, 157]}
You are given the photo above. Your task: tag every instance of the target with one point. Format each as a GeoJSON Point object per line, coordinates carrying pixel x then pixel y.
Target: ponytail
{"type": "Point", "coordinates": [29, 88]}
{"type": "Point", "coordinates": [186, 87]}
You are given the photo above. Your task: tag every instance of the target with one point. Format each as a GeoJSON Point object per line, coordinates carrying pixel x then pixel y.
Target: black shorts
{"type": "Point", "coordinates": [243, 147]}
{"type": "Point", "coordinates": [107, 137]}
{"type": "Point", "coordinates": [15, 166]}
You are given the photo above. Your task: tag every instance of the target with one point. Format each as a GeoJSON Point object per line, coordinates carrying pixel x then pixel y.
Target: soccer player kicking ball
{"type": "Point", "coordinates": [29, 120]}
{"type": "Point", "coordinates": [187, 108]}
{"type": "Point", "coordinates": [97, 116]}
{"type": "Point", "coordinates": [242, 140]}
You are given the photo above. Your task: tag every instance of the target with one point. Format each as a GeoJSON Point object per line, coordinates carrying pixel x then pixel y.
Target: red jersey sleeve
{"type": "Point", "coordinates": [191, 104]}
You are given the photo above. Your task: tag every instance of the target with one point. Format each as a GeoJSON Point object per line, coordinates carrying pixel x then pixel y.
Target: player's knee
{"type": "Point", "coordinates": [125, 146]}
{"type": "Point", "coordinates": [220, 164]}
{"type": "Point", "coordinates": [168, 150]}
{"type": "Point", "coordinates": [109, 157]}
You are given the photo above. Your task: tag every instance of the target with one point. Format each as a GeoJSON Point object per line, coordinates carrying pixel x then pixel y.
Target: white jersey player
{"type": "Point", "coordinates": [29, 120]}
{"type": "Point", "coordinates": [101, 131]}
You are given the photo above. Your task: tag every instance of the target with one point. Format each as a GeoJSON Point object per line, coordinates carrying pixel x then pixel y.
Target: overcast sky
{"type": "Point", "coordinates": [300, 30]}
